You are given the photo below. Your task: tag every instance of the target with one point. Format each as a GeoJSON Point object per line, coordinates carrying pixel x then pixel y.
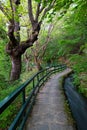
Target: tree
{"type": "Point", "coordinates": [40, 49]}
{"type": "Point", "coordinates": [15, 48]}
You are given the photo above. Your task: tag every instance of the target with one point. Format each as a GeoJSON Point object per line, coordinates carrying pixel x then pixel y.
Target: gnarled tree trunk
{"type": "Point", "coordinates": [39, 67]}
{"type": "Point", "coordinates": [15, 48]}
{"type": "Point", "coordinates": [16, 68]}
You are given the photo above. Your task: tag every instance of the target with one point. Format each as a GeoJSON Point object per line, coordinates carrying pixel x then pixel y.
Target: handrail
{"type": "Point", "coordinates": [27, 102]}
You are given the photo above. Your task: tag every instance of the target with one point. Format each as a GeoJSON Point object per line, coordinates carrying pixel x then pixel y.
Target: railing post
{"type": "Point", "coordinates": [54, 68]}
{"type": "Point", "coordinates": [46, 71]}
{"type": "Point", "coordinates": [33, 83]}
{"type": "Point", "coordinates": [43, 77]}
{"type": "Point", "coordinates": [38, 78]}
{"type": "Point", "coordinates": [23, 95]}
{"type": "Point", "coordinates": [46, 74]}
{"type": "Point", "coordinates": [38, 81]}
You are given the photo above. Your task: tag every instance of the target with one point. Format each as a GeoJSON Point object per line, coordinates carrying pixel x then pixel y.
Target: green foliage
{"type": "Point", "coordinates": [4, 59]}
{"type": "Point", "coordinates": [79, 62]}
{"type": "Point", "coordinates": [68, 40]}
{"type": "Point", "coordinates": [9, 114]}
{"type": "Point", "coordinates": [79, 65]}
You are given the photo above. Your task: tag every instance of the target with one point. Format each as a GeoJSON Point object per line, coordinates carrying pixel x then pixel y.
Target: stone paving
{"type": "Point", "coordinates": [48, 112]}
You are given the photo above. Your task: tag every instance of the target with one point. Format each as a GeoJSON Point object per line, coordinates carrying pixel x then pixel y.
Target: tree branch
{"type": "Point", "coordinates": [31, 17]}
{"type": "Point", "coordinates": [26, 44]}
{"type": "Point", "coordinates": [41, 9]}
{"type": "Point", "coordinates": [38, 11]}
{"type": "Point", "coordinates": [13, 28]}
{"type": "Point", "coordinates": [12, 10]}
{"type": "Point", "coordinates": [48, 38]}
{"type": "Point", "coordinates": [50, 6]}
{"type": "Point", "coordinates": [12, 38]}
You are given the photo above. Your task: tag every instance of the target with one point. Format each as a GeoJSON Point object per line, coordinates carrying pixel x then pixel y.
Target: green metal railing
{"type": "Point", "coordinates": [27, 101]}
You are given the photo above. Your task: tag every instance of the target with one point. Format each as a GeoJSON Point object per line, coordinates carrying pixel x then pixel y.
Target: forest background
{"type": "Point", "coordinates": [62, 38]}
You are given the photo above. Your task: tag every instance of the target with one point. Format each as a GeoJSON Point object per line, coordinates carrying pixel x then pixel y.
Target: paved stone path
{"type": "Point", "coordinates": [48, 112]}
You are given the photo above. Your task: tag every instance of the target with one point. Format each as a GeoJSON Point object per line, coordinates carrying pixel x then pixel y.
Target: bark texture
{"type": "Point", "coordinates": [16, 68]}
{"type": "Point", "coordinates": [39, 51]}
{"type": "Point", "coordinates": [39, 67]}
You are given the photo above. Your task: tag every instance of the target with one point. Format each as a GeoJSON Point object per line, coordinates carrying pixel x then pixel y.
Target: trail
{"type": "Point", "coordinates": [48, 112]}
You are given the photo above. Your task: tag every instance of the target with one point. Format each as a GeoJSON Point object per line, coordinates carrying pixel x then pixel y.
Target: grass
{"type": "Point", "coordinates": [9, 114]}
{"type": "Point", "coordinates": [79, 65]}
{"type": "Point", "coordinates": [67, 109]}
{"type": "Point", "coordinates": [10, 87]}
{"type": "Point", "coordinates": [70, 118]}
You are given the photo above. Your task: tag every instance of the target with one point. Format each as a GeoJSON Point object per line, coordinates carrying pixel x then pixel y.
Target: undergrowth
{"type": "Point", "coordinates": [79, 65]}
{"type": "Point", "coordinates": [7, 88]}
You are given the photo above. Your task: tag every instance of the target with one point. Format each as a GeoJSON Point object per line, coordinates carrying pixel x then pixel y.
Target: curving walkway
{"type": "Point", "coordinates": [48, 112]}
